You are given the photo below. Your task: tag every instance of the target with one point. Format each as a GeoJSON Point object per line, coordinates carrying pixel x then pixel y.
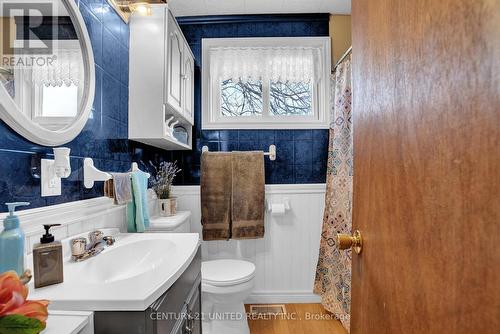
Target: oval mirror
{"type": "Point", "coordinates": [47, 73]}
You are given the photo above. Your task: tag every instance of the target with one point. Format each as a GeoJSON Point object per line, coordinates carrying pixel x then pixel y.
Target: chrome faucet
{"type": "Point", "coordinates": [81, 251]}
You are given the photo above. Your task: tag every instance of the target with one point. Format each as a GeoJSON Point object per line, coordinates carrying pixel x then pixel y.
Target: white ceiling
{"type": "Point", "coordinates": [225, 7]}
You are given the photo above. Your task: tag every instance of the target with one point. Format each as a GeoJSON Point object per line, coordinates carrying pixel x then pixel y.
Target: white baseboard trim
{"type": "Point", "coordinates": [283, 297]}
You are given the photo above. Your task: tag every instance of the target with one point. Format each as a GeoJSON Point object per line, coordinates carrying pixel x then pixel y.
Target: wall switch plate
{"type": "Point", "coordinates": [51, 184]}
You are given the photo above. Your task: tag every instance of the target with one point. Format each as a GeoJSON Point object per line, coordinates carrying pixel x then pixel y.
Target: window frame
{"type": "Point", "coordinates": [30, 96]}
{"type": "Point", "coordinates": [50, 122]}
{"type": "Point", "coordinates": [211, 96]}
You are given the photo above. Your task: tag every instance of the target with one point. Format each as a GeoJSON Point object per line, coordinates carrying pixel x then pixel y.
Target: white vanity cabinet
{"type": "Point", "coordinates": [161, 82]}
{"type": "Point", "coordinates": [177, 311]}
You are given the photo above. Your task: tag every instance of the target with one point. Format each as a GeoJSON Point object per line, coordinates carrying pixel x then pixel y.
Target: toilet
{"type": "Point", "coordinates": [225, 284]}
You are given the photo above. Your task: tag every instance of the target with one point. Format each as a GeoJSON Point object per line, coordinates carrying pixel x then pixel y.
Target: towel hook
{"type": "Point", "coordinates": [91, 174]}
{"type": "Point", "coordinates": [135, 168]}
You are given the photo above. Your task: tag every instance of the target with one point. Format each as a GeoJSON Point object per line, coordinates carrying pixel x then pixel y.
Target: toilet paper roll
{"type": "Point", "coordinates": [278, 209]}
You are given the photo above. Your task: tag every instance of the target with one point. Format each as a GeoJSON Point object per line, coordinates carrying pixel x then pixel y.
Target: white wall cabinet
{"type": "Point", "coordinates": [175, 59]}
{"type": "Point", "coordinates": [161, 82]}
{"type": "Point", "coordinates": [188, 82]}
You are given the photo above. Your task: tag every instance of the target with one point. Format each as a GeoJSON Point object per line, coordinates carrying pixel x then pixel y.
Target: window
{"type": "Point", "coordinates": [290, 98]}
{"type": "Point", "coordinates": [59, 101]}
{"type": "Point", "coordinates": [50, 94]}
{"type": "Point", "coordinates": [55, 107]}
{"type": "Point", "coordinates": [251, 83]}
{"type": "Point", "coordinates": [240, 98]}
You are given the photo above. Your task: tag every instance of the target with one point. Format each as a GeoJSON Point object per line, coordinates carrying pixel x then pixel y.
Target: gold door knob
{"type": "Point", "coordinates": [345, 241]}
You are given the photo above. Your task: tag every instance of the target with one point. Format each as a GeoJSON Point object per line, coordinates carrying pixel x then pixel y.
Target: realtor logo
{"type": "Point", "coordinates": [22, 26]}
{"type": "Point", "coordinates": [26, 37]}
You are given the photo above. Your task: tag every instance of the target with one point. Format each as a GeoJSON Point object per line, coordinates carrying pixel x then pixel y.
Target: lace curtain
{"type": "Point", "coordinates": [65, 69]}
{"type": "Point", "coordinates": [296, 64]}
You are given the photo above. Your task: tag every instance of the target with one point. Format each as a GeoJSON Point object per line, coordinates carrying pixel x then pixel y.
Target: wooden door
{"type": "Point", "coordinates": [426, 96]}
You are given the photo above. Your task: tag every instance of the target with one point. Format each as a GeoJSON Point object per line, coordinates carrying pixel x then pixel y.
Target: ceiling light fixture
{"type": "Point", "coordinates": [125, 8]}
{"type": "Point", "coordinates": [141, 8]}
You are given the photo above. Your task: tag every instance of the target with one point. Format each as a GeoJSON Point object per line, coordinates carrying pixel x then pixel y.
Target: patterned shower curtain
{"type": "Point", "coordinates": [333, 272]}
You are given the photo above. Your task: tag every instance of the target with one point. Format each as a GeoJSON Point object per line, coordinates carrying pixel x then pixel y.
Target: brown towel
{"type": "Point", "coordinates": [248, 203]}
{"type": "Point", "coordinates": [216, 195]}
{"type": "Point", "coordinates": [109, 188]}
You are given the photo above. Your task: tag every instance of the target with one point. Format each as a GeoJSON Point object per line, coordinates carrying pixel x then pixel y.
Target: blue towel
{"type": "Point", "coordinates": [137, 209]}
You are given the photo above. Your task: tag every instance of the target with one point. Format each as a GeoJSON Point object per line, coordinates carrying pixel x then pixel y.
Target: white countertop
{"type": "Point", "coordinates": [69, 322]}
{"type": "Point", "coordinates": [128, 276]}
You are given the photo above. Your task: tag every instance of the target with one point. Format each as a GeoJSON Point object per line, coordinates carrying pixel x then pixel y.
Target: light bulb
{"type": "Point", "coordinates": [142, 8]}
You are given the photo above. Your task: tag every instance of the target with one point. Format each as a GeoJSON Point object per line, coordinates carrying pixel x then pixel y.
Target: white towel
{"type": "Point", "coordinates": [122, 187]}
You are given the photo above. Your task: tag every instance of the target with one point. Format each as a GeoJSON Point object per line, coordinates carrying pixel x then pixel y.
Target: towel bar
{"type": "Point", "coordinates": [271, 153]}
{"type": "Point", "coordinates": [92, 174]}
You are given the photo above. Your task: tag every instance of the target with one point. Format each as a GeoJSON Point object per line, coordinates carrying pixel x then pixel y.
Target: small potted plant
{"type": "Point", "coordinates": [162, 184]}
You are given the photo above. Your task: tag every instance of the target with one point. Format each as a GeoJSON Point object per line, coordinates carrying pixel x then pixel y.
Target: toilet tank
{"type": "Point", "coordinates": [179, 223]}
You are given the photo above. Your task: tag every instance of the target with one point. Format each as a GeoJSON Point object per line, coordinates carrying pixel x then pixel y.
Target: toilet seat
{"type": "Point", "coordinates": [226, 272]}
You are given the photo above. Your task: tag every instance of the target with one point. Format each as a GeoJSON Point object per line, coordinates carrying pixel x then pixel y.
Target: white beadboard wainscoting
{"type": "Point", "coordinates": [286, 257]}
{"type": "Point", "coordinates": [75, 218]}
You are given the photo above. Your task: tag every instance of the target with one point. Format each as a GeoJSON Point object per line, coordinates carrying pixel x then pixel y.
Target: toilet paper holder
{"type": "Point", "coordinates": [285, 204]}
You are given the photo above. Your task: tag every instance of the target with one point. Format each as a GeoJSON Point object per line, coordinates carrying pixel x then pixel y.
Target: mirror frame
{"type": "Point", "coordinates": [19, 122]}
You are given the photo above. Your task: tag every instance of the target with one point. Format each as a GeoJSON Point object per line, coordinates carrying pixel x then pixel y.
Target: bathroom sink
{"type": "Point", "coordinates": [130, 275]}
{"type": "Point", "coordinates": [125, 261]}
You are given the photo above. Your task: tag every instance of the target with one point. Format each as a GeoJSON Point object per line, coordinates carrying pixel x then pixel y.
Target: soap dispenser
{"type": "Point", "coordinates": [47, 260]}
{"type": "Point", "coordinates": [12, 242]}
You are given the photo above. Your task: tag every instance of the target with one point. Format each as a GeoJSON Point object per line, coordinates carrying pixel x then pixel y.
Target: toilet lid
{"type": "Point", "coordinates": [227, 272]}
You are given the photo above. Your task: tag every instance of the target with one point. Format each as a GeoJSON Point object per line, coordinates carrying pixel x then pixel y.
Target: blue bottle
{"type": "Point", "coordinates": [12, 242]}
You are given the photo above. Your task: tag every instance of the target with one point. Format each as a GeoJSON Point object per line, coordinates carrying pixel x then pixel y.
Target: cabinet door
{"type": "Point", "coordinates": [188, 84]}
{"type": "Point", "coordinates": [175, 50]}
{"type": "Point", "coordinates": [196, 313]}
{"type": "Point", "coordinates": [183, 329]}
{"type": "Point", "coordinates": [193, 325]}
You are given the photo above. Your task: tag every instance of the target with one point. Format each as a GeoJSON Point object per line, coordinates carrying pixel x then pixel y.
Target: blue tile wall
{"type": "Point", "coordinates": [104, 137]}
{"type": "Point", "coordinates": [302, 154]}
